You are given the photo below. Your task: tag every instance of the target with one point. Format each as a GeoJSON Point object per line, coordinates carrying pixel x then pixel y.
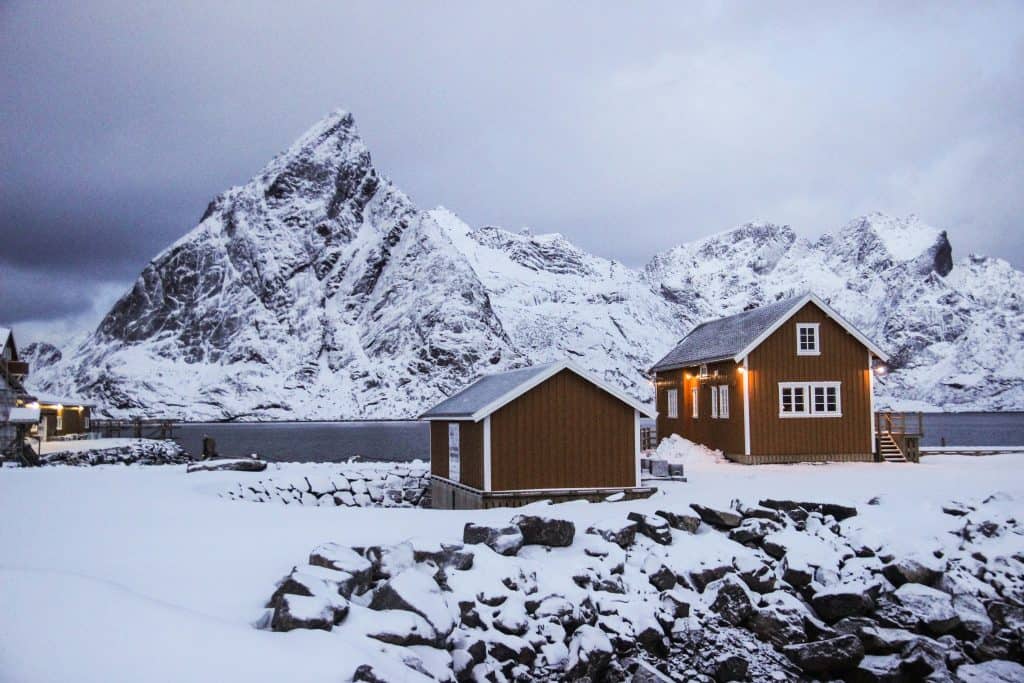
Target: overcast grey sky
{"type": "Point", "coordinates": [629, 127]}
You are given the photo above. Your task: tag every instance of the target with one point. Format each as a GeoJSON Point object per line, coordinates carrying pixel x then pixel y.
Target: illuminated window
{"type": "Point", "coordinates": [723, 401]}
{"type": "Point", "coordinates": [810, 399]}
{"type": "Point", "coordinates": [673, 403]}
{"type": "Point", "coordinates": [60, 422]}
{"type": "Point", "coordinates": [694, 396]}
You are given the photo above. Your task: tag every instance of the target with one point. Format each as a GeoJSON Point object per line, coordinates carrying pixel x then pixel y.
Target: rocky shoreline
{"type": "Point", "coordinates": [141, 452]}
{"type": "Point", "coordinates": [778, 591]}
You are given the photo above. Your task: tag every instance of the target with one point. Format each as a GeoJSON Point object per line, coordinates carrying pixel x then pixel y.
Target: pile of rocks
{"type": "Point", "coordinates": [349, 485]}
{"type": "Point", "coordinates": [142, 452]}
{"type": "Point", "coordinates": [775, 591]}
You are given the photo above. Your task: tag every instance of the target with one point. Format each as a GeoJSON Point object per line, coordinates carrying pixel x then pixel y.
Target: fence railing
{"type": "Point", "coordinates": [648, 438]}
{"type": "Point", "coordinates": [909, 424]}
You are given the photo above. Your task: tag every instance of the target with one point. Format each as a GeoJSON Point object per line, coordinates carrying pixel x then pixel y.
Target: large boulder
{"type": "Point", "coordinates": [415, 591]}
{"type": "Point", "coordinates": [653, 527]}
{"type": "Point", "coordinates": [730, 667]}
{"type": "Point", "coordinates": [502, 540]}
{"type": "Point", "coordinates": [757, 574]}
{"type": "Point", "coordinates": [720, 519]}
{"type": "Point", "coordinates": [308, 581]}
{"type": "Point", "coordinates": [405, 628]}
{"type": "Point", "coordinates": [730, 599]}
{"type": "Point", "coordinates": [975, 622]}
{"type": "Point", "coordinates": [706, 572]}
{"type": "Point", "coordinates": [553, 533]}
{"type": "Point", "coordinates": [924, 658]}
{"type": "Point", "coordinates": [838, 602]}
{"type": "Point", "coordinates": [878, 669]}
{"type": "Point", "coordinates": [444, 555]}
{"type": "Point", "coordinates": [308, 611]}
{"type": "Point", "coordinates": [228, 464]}
{"type": "Point", "coordinates": [680, 520]}
{"type": "Point", "coordinates": [932, 609]}
{"type": "Point", "coordinates": [995, 671]}
{"type": "Point", "coordinates": [343, 559]}
{"type": "Point", "coordinates": [827, 657]}
{"type": "Point", "coordinates": [590, 651]}
{"type": "Point", "coordinates": [779, 620]}
{"type": "Point", "coordinates": [620, 532]}
{"type": "Point", "coordinates": [388, 560]}
{"type": "Point", "coordinates": [913, 569]}
{"type": "Point", "coordinates": [753, 530]}
{"type": "Point", "coordinates": [839, 512]}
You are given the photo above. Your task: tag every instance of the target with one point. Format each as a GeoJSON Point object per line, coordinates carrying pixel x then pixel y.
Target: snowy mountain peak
{"type": "Point", "coordinates": [318, 290]}
{"type": "Point", "coordinates": [904, 238]}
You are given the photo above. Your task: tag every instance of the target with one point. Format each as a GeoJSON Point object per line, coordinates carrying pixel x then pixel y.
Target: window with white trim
{"type": "Point", "coordinates": [807, 342]}
{"type": "Point", "coordinates": [810, 399]}
{"type": "Point", "coordinates": [723, 401]}
{"type": "Point", "coordinates": [60, 422]}
{"type": "Point", "coordinates": [714, 402]}
{"type": "Point", "coordinates": [695, 402]}
{"type": "Point", "coordinates": [453, 451]}
{"type": "Point", "coordinates": [673, 403]}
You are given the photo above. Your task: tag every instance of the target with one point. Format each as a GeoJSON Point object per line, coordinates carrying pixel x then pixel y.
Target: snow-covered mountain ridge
{"type": "Point", "coordinates": [318, 290]}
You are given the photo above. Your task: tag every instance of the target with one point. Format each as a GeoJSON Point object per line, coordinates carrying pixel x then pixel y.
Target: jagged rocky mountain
{"type": "Point", "coordinates": [319, 290]}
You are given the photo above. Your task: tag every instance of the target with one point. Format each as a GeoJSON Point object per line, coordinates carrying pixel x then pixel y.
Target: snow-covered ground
{"type": "Point", "coordinates": [115, 573]}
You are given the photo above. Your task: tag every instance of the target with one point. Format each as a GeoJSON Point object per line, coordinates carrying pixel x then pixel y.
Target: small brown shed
{"type": "Point", "coordinates": [544, 432]}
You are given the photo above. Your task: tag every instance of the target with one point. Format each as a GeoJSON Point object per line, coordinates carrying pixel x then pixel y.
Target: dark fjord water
{"type": "Point", "coordinates": [311, 441]}
{"type": "Point", "coordinates": [974, 429]}
{"type": "Point", "coordinates": [338, 441]}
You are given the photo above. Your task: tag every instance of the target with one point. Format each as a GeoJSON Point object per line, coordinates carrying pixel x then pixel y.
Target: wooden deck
{"type": "Point", "coordinates": [134, 427]}
{"type": "Point", "coordinates": [898, 436]}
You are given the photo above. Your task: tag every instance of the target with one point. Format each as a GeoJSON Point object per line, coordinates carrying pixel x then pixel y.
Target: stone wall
{"type": "Point", "coordinates": [333, 485]}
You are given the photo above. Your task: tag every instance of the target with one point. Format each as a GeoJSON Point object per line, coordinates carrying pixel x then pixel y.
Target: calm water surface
{"type": "Point", "coordinates": [974, 429]}
{"type": "Point", "coordinates": [311, 441]}
{"type": "Point", "coordinates": [404, 441]}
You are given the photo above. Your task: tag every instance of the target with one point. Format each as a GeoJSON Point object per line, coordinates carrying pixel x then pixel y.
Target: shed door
{"type": "Point", "coordinates": [453, 451]}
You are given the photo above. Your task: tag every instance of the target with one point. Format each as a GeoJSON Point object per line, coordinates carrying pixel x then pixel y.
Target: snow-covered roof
{"type": "Point", "coordinates": [52, 400]}
{"type": "Point", "coordinates": [735, 336]}
{"type": "Point", "coordinates": [5, 334]}
{"type": "Point", "coordinates": [23, 415]}
{"type": "Point", "coordinates": [491, 392]}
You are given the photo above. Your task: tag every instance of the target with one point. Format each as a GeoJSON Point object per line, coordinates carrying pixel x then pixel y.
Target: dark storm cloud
{"type": "Point", "coordinates": [629, 129]}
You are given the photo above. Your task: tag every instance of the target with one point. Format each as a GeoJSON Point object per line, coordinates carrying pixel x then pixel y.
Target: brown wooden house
{"type": "Point", "coordinates": [543, 432]}
{"type": "Point", "coordinates": [791, 381]}
{"type": "Point", "coordinates": [61, 417]}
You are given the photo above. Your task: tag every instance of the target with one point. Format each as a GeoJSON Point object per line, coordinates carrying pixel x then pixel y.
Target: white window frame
{"type": "Point", "coordinates": [454, 456]}
{"type": "Point", "coordinates": [714, 403]}
{"type": "Point", "coordinates": [723, 401]}
{"type": "Point", "coordinates": [808, 389]}
{"type": "Point", "coordinates": [673, 403]}
{"type": "Point", "coordinates": [816, 331]}
{"type": "Point", "coordinates": [695, 399]}
{"type": "Point", "coordinates": [60, 423]}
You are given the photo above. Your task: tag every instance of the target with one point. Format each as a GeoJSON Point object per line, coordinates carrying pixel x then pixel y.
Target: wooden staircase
{"type": "Point", "coordinates": [889, 449]}
{"type": "Point", "coordinates": [899, 438]}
